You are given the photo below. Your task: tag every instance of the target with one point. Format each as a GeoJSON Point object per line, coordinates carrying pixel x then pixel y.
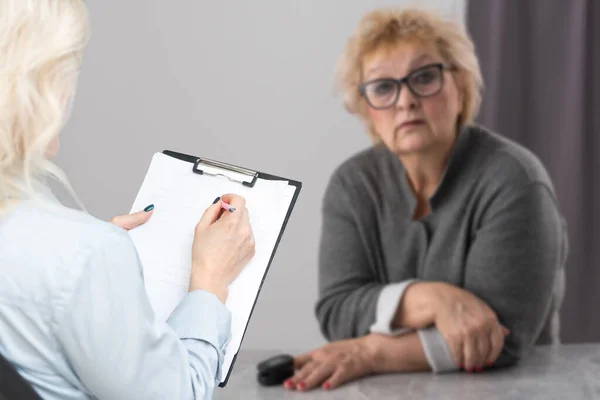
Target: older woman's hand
{"type": "Point", "coordinates": [333, 364]}
{"type": "Point", "coordinates": [470, 327]}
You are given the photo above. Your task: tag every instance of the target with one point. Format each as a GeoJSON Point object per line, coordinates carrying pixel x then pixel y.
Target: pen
{"type": "Point", "coordinates": [227, 207]}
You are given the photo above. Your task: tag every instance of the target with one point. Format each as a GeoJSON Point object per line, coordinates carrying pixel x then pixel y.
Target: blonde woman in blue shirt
{"type": "Point", "coordinates": [74, 317]}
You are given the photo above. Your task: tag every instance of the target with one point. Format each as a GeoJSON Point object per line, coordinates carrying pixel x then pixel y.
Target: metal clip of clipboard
{"type": "Point", "coordinates": [203, 166]}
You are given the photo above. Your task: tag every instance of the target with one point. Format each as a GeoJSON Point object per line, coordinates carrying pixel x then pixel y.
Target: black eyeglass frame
{"type": "Point", "coordinates": [405, 80]}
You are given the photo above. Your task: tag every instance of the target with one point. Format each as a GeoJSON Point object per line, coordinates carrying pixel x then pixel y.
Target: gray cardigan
{"type": "Point", "coordinates": [495, 230]}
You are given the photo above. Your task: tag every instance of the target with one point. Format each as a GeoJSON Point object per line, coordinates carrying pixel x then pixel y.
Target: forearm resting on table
{"type": "Point", "coordinates": [397, 354]}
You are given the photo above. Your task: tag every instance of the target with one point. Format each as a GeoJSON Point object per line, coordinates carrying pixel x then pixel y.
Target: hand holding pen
{"type": "Point", "coordinates": [223, 245]}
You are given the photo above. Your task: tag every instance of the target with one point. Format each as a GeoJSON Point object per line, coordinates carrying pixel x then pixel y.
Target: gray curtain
{"type": "Point", "coordinates": [541, 66]}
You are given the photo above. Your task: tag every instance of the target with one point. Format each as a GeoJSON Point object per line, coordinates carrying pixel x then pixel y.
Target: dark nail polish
{"type": "Point", "coordinates": [461, 366]}
{"type": "Point", "coordinates": [217, 199]}
{"type": "Point", "coordinates": [489, 364]}
{"type": "Point", "coordinates": [478, 369]}
{"type": "Point", "coordinates": [232, 209]}
{"type": "Point", "coordinates": [149, 208]}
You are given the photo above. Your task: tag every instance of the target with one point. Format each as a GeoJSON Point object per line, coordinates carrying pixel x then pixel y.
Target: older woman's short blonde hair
{"type": "Point", "coordinates": [386, 27]}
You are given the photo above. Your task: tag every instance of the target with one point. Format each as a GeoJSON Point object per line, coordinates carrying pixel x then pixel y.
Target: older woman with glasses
{"type": "Point", "coordinates": [442, 246]}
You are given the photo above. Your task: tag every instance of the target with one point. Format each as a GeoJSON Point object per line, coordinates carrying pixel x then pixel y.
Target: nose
{"type": "Point", "coordinates": [406, 100]}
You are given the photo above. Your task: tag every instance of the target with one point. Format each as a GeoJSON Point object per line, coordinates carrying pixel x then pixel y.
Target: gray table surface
{"type": "Point", "coordinates": [562, 372]}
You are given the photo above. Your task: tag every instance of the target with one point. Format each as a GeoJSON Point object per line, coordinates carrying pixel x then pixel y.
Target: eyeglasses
{"type": "Point", "coordinates": [423, 82]}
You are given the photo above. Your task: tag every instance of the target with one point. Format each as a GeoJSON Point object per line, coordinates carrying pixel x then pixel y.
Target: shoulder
{"type": "Point", "coordinates": [362, 169]}
{"type": "Point", "coordinates": [103, 256]}
{"type": "Point", "coordinates": [503, 162]}
{"type": "Point", "coordinates": [69, 234]}
{"type": "Point", "coordinates": [103, 244]}
{"type": "Point", "coordinates": [51, 249]}
{"type": "Point", "coordinates": [505, 176]}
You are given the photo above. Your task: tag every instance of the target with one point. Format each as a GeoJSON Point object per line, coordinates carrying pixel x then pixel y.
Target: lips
{"type": "Point", "coordinates": [411, 123]}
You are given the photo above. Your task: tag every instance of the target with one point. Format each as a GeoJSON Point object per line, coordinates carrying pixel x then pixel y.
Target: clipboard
{"type": "Point", "coordinates": [246, 177]}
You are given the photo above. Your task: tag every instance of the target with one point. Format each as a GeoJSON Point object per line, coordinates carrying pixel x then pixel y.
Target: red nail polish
{"type": "Point", "coordinates": [327, 386]}
{"type": "Point", "coordinates": [470, 370]}
{"type": "Point", "coordinates": [489, 364]}
{"type": "Point", "coordinates": [289, 384]}
{"type": "Point", "coordinates": [302, 386]}
{"type": "Point", "coordinates": [478, 369]}
{"type": "Point", "coordinates": [461, 366]}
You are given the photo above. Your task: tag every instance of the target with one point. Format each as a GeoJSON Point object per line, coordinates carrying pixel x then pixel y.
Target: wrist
{"type": "Point", "coordinates": [438, 294]}
{"type": "Point", "coordinates": [221, 292]}
{"type": "Point", "coordinates": [391, 354]}
{"type": "Point", "coordinates": [219, 289]}
{"type": "Point", "coordinates": [373, 356]}
{"type": "Point", "coordinates": [418, 307]}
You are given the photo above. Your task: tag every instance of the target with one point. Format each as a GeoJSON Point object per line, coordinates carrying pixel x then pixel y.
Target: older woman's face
{"type": "Point", "coordinates": [413, 123]}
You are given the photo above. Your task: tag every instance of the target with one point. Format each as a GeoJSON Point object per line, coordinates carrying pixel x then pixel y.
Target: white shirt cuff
{"type": "Point", "coordinates": [387, 305]}
{"type": "Point", "coordinates": [436, 350]}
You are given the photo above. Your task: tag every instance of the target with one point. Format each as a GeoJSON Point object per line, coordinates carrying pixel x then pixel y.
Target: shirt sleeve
{"type": "Point", "coordinates": [437, 351]}
{"type": "Point", "coordinates": [387, 306]}
{"type": "Point", "coordinates": [117, 347]}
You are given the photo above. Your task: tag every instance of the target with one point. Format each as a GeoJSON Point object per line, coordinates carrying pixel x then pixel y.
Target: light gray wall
{"type": "Point", "coordinates": [245, 82]}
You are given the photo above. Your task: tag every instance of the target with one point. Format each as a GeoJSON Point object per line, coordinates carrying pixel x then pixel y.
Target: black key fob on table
{"type": "Point", "coordinates": [275, 370]}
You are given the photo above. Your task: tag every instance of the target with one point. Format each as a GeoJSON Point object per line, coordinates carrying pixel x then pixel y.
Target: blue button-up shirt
{"type": "Point", "coordinates": [75, 320]}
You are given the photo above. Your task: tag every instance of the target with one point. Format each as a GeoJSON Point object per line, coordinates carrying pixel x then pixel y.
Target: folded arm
{"type": "Point", "coordinates": [512, 266]}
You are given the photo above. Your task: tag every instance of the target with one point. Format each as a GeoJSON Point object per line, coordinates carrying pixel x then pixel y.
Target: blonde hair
{"type": "Point", "coordinates": [387, 27]}
{"type": "Point", "coordinates": [41, 43]}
